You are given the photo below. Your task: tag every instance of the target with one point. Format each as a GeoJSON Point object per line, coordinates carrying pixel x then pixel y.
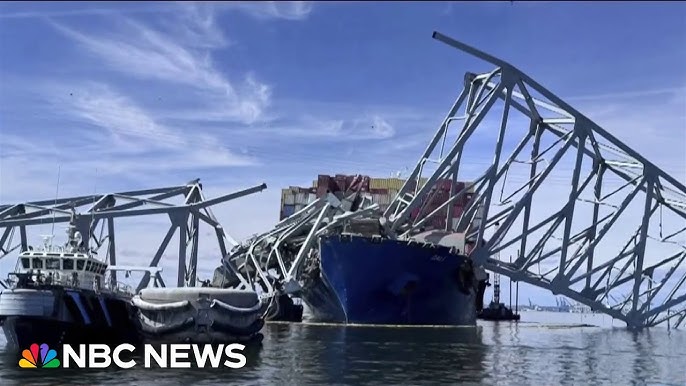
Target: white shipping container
{"type": "Point", "coordinates": [301, 198]}
{"type": "Point", "coordinates": [312, 198]}
{"type": "Point", "coordinates": [376, 198]}
{"type": "Point", "coordinates": [289, 199]}
{"type": "Point", "coordinates": [384, 199]}
{"type": "Point", "coordinates": [299, 207]}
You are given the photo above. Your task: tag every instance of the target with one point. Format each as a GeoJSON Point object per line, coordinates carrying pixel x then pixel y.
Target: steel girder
{"type": "Point", "coordinates": [275, 260]}
{"type": "Point", "coordinates": [588, 217]}
{"type": "Point", "coordinates": [185, 218]}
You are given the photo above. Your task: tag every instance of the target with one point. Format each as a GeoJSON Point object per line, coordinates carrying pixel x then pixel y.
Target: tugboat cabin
{"type": "Point", "coordinates": [62, 268]}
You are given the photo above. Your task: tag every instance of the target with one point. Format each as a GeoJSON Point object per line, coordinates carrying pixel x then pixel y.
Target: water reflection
{"type": "Point", "coordinates": [380, 355]}
{"type": "Point", "coordinates": [507, 353]}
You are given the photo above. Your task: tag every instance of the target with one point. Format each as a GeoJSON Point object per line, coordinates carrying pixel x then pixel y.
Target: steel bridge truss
{"type": "Point", "coordinates": [276, 260]}
{"type": "Point", "coordinates": [102, 209]}
{"type": "Point", "coordinates": [582, 214]}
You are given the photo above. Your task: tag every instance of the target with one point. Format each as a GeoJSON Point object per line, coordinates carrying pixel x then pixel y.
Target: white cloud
{"type": "Point", "coordinates": [286, 10]}
{"type": "Point", "coordinates": [178, 55]}
{"type": "Point", "coordinates": [356, 129]}
{"type": "Point", "coordinates": [289, 10]}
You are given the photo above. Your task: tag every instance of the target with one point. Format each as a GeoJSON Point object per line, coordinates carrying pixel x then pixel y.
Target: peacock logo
{"type": "Point", "coordinates": [30, 360]}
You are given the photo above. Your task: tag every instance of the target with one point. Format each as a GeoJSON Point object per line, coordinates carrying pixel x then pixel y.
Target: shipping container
{"type": "Point", "coordinates": [288, 210]}
{"type": "Point", "coordinates": [289, 199]}
{"type": "Point", "coordinates": [302, 198]}
{"type": "Point", "coordinates": [384, 199]}
{"type": "Point", "coordinates": [340, 182]}
{"type": "Point", "coordinates": [381, 191]}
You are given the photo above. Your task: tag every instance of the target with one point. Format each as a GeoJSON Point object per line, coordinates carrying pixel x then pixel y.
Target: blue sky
{"type": "Point", "coordinates": [137, 95]}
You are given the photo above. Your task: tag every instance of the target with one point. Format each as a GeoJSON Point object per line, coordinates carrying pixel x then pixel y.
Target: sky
{"type": "Point", "coordinates": [137, 95]}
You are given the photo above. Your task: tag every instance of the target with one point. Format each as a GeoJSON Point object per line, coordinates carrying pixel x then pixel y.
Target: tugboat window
{"type": "Point", "coordinates": [79, 265]}
{"type": "Point", "coordinates": [88, 266]}
{"type": "Point", "coordinates": [52, 264]}
{"type": "Point", "coordinates": [68, 264]}
{"type": "Point", "coordinates": [37, 263]}
{"type": "Point", "coordinates": [26, 263]}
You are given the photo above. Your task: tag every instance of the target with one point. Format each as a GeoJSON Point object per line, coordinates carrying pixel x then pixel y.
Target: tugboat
{"type": "Point", "coordinates": [496, 310]}
{"type": "Point", "coordinates": [57, 295]}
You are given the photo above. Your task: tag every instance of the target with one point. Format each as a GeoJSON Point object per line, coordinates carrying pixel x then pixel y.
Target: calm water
{"type": "Point", "coordinates": [543, 349]}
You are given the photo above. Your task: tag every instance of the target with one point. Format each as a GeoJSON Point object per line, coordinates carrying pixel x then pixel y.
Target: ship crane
{"type": "Point", "coordinates": [589, 217]}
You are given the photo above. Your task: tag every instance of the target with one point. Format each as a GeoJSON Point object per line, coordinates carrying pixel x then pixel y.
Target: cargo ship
{"type": "Point", "coordinates": [360, 277]}
{"type": "Point", "coordinates": [58, 295]}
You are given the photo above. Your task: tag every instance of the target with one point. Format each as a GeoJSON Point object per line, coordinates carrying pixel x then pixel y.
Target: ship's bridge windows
{"type": "Point", "coordinates": [26, 263]}
{"type": "Point", "coordinates": [80, 264]}
{"type": "Point", "coordinates": [89, 266]}
{"type": "Point", "coordinates": [68, 264]}
{"type": "Point", "coordinates": [37, 263]}
{"type": "Point", "coordinates": [52, 263]}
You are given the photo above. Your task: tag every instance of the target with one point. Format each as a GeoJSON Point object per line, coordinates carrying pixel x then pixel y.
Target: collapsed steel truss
{"type": "Point", "coordinates": [185, 218]}
{"type": "Point", "coordinates": [633, 277]}
{"type": "Point", "coordinates": [276, 260]}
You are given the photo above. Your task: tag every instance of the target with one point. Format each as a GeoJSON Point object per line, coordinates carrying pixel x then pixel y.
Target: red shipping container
{"type": "Point", "coordinates": [323, 180]}
{"type": "Point", "coordinates": [414, 213]}
{"type": "Point", "coordinates": [323, 185]}
{"type": "Point", "coordinates": [365, 182]}
{"type": "Point", "coordinates": [341, 183]}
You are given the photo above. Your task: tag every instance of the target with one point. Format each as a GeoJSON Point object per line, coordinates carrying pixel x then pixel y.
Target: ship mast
{"type": "Point", "coordinates": [496, 276]}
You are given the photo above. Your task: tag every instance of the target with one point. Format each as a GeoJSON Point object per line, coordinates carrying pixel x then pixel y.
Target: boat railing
{"type": "Point", "coordinates": [31, 279]}
{"type": "Point", "coordinates": [122, 288]}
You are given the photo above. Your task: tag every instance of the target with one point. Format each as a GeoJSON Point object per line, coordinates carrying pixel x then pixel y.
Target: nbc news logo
{"type": "Point", "coordinates": [102, 356]}
{"type": "Point", "coordinates": [30, 358]}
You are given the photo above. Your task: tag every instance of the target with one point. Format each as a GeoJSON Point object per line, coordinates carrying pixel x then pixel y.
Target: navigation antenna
{"type": "Point", "coordinates": [57, 193]}
{"type": "Point", "coordinates": [91, 231]}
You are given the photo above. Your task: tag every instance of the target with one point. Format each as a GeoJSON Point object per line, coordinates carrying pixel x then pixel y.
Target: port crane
{"type": "Point", "coordinates": [612, 238]}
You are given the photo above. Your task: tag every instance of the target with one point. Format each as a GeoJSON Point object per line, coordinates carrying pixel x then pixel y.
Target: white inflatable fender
{"type": "Point", "coordinates": [239, 310]}
{"type": "Point", "coordinates": [142, 304]}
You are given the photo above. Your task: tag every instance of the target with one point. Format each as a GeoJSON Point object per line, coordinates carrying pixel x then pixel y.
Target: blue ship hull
{"type": "Point", "coordinates": [367, 281]}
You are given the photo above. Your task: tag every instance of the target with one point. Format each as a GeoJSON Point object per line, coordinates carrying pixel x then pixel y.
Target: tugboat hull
{"type": "Point", "coordinates": [57, 316]}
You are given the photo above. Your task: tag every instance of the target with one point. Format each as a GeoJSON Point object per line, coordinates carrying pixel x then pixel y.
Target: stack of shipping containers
{"type": "Point", "coordinates": [381, 190]}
